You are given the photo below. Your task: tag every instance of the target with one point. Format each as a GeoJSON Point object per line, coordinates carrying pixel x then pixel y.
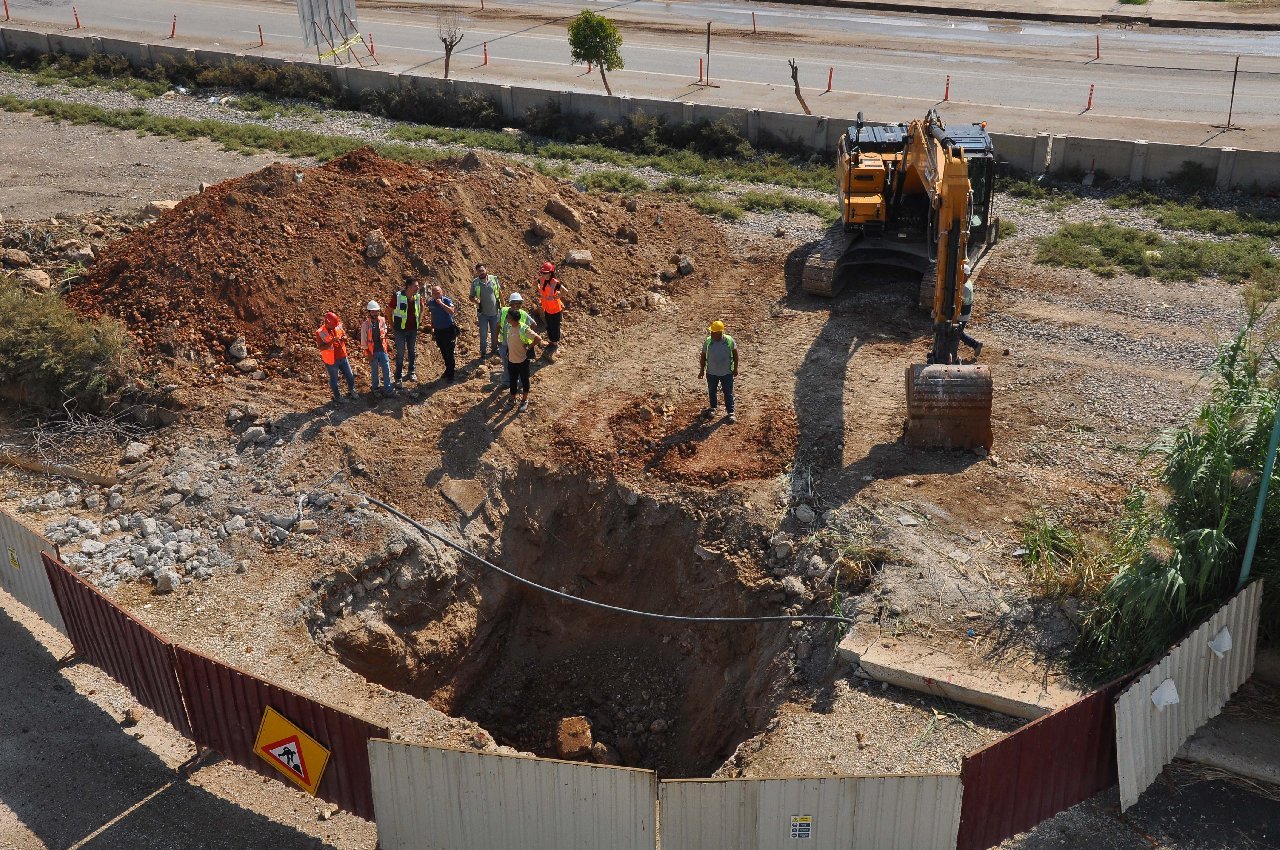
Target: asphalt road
{"type": "Point", "coordinates": [1162, 85]}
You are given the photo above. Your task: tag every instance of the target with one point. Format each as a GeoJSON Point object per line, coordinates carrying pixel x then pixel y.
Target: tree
{"type": "Point", "coordinates": [450, 29]}
{"type": "Point", "coordinates": [595, 39]}
{"type": "Point", "coordinates": [795, 80]}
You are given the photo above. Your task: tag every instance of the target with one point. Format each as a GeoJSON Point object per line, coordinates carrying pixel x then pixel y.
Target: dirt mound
{"type": "Point", "coordinates": [265, 255]}
{"type": "Point", "coordinates": [672, 440]}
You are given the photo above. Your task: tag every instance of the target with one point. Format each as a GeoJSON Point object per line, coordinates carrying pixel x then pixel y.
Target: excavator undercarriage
{"type": "Point", "coordinates": [918, 196]}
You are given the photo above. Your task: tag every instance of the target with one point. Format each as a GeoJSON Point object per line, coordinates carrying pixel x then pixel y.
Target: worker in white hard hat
{"type": "Point", "coordinates": [373, 339]}
{"type": "Point", "coordinates": [514, 302]}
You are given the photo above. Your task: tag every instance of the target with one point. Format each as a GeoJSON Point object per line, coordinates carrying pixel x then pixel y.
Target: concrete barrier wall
{"type": "Point", "coordinates": [1125, 158]}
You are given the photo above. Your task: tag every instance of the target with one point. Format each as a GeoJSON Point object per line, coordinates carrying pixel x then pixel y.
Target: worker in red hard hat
{"type": "Point", "coordinates": [550, 290]}
{"type": "Point", "coordinates": [331, 337]}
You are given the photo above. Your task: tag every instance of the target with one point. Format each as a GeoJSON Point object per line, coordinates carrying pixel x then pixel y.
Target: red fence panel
{"type": "Point", "coordinates": [226, 707]}
{"type": "Point", "coordinates": [1044, 768]}
{"type": "Point", "coordinates": [106, 636]}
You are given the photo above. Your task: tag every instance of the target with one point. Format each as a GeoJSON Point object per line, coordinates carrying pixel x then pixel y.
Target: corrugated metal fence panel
{"type": "Point", "coordinates": [106, 636]}
{"type": "Point", "coordinates": [863, 812]}
{"type": "Point", "coordinates": [226, 707]}
{"type": "Point", "coordinates": [28, 582]}
{"type": "Point", "coordinates": [450, 800]}
{"type": "Point", "coordinates": [1043, 768]}
{"type": "Point", "coordinates": [1147, 738]}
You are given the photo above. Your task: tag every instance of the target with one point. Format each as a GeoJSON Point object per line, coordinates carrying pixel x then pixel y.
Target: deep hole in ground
{"type": "Point", "coordinates": [670, 697]}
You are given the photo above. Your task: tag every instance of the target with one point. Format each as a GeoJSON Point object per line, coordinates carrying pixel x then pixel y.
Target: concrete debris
{"type": "Point", "coordinates": [578, 257]}
{"type": "Point", "coordinates": [238, 350]}
{"type": "Point", "coordinates": [167, 581]}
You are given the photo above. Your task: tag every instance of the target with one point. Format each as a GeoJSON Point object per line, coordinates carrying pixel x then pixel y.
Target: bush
{"type": "Point", "coordinates": [713, 206]}
{"type": "Point", "coordinates": [1193, 177]}
{"type": "Point", "coordinates": [56, 356]}
{"type": "Point", "coordinates": [611, 180]}
{"type": "Point", "coordinates": [1108, 249]}
{"type": "Point", "coordinates": [770, 201]}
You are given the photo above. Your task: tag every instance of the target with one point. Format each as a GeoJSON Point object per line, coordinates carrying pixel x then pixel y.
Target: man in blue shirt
{"type": "Point", "coordinates": [443, 328]}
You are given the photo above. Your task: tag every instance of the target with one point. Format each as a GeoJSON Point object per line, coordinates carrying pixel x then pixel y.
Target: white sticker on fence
{"type": "Point", "coordinates": [1158, 712]}
{"type": "Point", "coordinates": [866, 812]}
{"type": "Point", "coordinates": [22, 572]}
{"type": "Point", "coordinates": [426, 797]}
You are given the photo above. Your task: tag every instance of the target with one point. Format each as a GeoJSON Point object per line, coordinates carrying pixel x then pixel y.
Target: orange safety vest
{"type": "Point", "coordinates": [333, 343]}
{"type": "Point", "coordinates": [549, 290]}
{"type": "Point", "coordinates": [366, 336]}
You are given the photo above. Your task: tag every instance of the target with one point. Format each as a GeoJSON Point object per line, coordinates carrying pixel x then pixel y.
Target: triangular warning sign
{"type": "Point", "coordinates": [288, 754]}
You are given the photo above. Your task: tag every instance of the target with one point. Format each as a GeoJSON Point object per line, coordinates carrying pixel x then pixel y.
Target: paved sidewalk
{"type": "Point", "coordinates": [1214, 14]}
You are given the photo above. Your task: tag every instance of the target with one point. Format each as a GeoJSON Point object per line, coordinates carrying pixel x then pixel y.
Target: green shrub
{"type": "Point", "coordinates": [685, 186]}
{"type": "Point", "coordinates": [1191, 214]}
{"type": "Point", "coordinates": [56, 356]}
{"type": "Point", "coordinates": [1108, 249]}
{"type": "Point", "coordinates": [1193, 177]}
{"type": "Point", "coordinates": [708, 205]}
{"type": "Point", "coordinates": [610, 180]}
{"type": "Point", "coordinates": [769, 201]}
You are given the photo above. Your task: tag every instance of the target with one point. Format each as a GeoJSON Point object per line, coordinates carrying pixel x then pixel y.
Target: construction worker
{"type": "Point", "coordinates": [520, 339]}
{"type": "Point", "coordinates": [373, 339]}
{"type": "Point", "coordinates": [966, 314]}
{"type": "Point", "coordinates": [516, 303]}
{"type": "Point", "coordinates": [444, 329]}
{"type": "Point", "coordinates": [405, 321]}
{"type": "Point", "coordinates": [331, 337]}
{"type": "Point", "coordinates": [719, 362]}
{"type": "Point", "coordinates": [549, 290]}
{"type": "Point", "coordinates": [487, 293]}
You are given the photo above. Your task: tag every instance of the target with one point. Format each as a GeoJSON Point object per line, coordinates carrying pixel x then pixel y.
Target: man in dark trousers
{"type": "Point", "coordinates": [444, 329]}
{"type": "Point", "coordinates": [550, 290]}
{"type": "Point", "coordinates": [405, 321]}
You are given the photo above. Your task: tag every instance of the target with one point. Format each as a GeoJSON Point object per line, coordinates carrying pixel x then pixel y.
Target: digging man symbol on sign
{"type": "Point", "coordinates": [291, 751]}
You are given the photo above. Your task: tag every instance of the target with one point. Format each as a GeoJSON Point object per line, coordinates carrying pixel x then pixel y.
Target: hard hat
{"type": "Point", "coordinates": [717, 327]}
{"type": "Point", "coordinates": [372, 305]}
{"type": "Point", "coordinates": [516, 298]}
{"type": "Point", "coordinates": [331, 320]}
{"type": "Point", "coordinates": [548, 268]}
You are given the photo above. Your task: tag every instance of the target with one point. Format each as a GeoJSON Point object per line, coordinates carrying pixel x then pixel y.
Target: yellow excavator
{"type": "Point", "coordinates": [918, 196]}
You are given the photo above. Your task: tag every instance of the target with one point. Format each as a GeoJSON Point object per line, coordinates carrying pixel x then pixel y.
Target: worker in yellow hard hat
{"type": "Point", "coordinates": [718, 360]}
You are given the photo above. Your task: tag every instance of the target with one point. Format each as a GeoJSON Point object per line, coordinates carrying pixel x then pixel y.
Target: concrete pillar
{"type": "Point", "coordinates": [690, 111]}
{"type": "Point", "coordinates": [753, 126]}
{"type": "Point", "coordinates": [4, 50]}
{"type": "Point", "coordinates": [1040, 153]}
{"type": "Point", "coordinates": [819, 140]}
{"type": "Point", "coordinates": [1057, 153]}
{"type": "Point", "coordinates": [507, 103]}
{"type": "Point", "coordinates": [1226, 168]}
{"type": "Point", "coordinates": [566, 103]}
{"type": "Point", "coordinates": [1138, 161]}
{"type": "Point", "coordinates": [625, 107]}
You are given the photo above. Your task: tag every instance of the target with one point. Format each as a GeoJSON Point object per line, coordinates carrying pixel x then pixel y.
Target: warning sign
{"type": "Point", "coordinates": [291, 751]}
{"type": "Point", "coordinates": [801, 826]}
{"type": "Point", "coordinates": [13, 558]}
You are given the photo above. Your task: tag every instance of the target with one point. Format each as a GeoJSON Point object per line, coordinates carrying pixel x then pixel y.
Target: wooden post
{"type": "Point", "coordinates": [754, 31]}
{"type": "Point", "coordinates": [261, 41]}
{"type": "Point", "coordinates": [1097, 47]}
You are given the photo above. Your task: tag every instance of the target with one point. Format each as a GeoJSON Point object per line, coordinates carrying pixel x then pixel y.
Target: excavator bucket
{"type": "Point", "coordinates": [948, 407]}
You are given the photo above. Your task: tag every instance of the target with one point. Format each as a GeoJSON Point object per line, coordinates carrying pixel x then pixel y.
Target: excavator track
{"type": "Point", "coordinates": [820, 268]}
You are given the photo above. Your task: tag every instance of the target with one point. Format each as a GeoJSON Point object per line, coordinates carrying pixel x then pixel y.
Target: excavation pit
{"type": "Point", "coordinates": [672, 697]}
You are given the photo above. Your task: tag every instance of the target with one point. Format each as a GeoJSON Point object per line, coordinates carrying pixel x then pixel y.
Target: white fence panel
{"type": "Point", "coordinates": [1204, 674]}
{"type": "Point", "coordinates": [837, 813]}
{"type": "Point", "coordinates": [434, 799]}
{"type": "Point", "coordinates": [22, 572]}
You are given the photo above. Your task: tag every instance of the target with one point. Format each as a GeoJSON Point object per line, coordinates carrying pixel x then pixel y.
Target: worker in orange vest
{"type": "Point", "coordinates": [373, 339]}
{"type": "Point", "coordinates": [331, 337]}
{"type": "Point", "coordinates": [550, 289]}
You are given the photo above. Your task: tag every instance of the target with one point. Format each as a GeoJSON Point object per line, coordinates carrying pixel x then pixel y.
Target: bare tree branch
{"type": "Point", "coordinates": [795, 79]}
{"type": "Point", "coordinates": [449, 28]}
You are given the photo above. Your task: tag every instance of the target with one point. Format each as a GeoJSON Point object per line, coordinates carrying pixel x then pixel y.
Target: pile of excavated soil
{"type": "Point", "coordinates": [264, 256]}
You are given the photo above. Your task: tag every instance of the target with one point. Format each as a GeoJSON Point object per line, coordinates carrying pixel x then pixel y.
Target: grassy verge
{"type": "Point", "coordinates": [770, 201]}
{"type": "Point", "coordinates": [1108, 249]}
{"type": "Point", "coordinates": [55, 355]}
{"type": "Point", "coordinates": [708, 205]}
{"type": "Point", "coordinates": [1174, 554]}
{"type": "Point", "coordinates": [1190, 215]}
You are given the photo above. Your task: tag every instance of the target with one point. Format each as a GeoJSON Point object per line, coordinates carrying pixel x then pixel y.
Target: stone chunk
{"type": "Point", "coordinates": [135, 452]}
{"type": "Point", "coordinates": [238, 350]}
{"type": "Point", "coordinates": [15, 259]}
{"type": "Point", "coordinates": [34, 279]}
{"type": "Point", "coordinates": [159, 208]}
{"type": "Point", "coordinates": [559, 210]}
{"type": "Point", "coordinates": [573, 738]}
{"type": "Point", "coordinates": [376, 245]}
{"type": "Point", "coordinates": [541, 228]}
{"type": "Point", "coordinates": [167, 581]}
{"type": "Point", "coordinates": [579, 257]}
{"type": "Point", "coordinates": [685, 265]}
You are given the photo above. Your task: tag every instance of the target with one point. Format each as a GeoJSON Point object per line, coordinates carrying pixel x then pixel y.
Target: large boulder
{"type": "Point", "coordinates": [562, 212]}
{"type": "Point", "coordinates": [573, 738]}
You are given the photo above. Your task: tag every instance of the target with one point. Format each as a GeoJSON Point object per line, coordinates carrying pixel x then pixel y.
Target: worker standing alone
{"type": "Point", "coordinates": [966, 314]}
{"type": "Point", "coordinates": [373, 339]}
{"type": "Point", "coordinates": [331, 337]}
{"type": "Point", "coordinates": [550, 290]}
{"type": "Point", "coordinates": [718, 360]}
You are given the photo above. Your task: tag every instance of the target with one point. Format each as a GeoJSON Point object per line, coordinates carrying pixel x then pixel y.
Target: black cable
{"type": "Point", "coordinates": [617, 610]}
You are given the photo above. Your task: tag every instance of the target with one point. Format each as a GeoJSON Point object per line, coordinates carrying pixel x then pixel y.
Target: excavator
{"type": "Point", "coordinates": [918, 196]}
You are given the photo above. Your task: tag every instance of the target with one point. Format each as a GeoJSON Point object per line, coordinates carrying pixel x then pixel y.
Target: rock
{"type": "Point", "coordinates": [131, 717]}
{"type": "Point", "coordinates": [279, 520]}
{"type": "Point", "coordinates": [135, 452]}
{"type": "Point", "coordinates": [631, 204]}
{"type": "Point", "coordinates": [980, 451]}
{"type": "Point", "coordinates": [376, 245]}
{"type": "Point", "coordinates": [573, 738]}
{"type": "Point", "coordinates": [79, 253]}
{"type": "Point", "coordinates": [805, 514]}
{"type": "Point", "coordinates": [685, 265]}
{"type": "Point", "coordinates": [559, 210]}
{"type": "Point", "coordinates": [465, 494]}
{"type": "Point", "coordinates": [114, 501]}
{"type": "Point", "coordinates": [779, 233]}
{"type": "Point", "coordinates": [145, 526]}
{"type": "Point", "coordinates": [93, 501]}
{"type": "Point", "coordinates": [34, 279]}
{"type": "Point", "coordinates": [658, 726]}
{"type": "Point", "coordinates": [92, 547]}
{"type": "Point", "coordinates": [326, 811]}
{"type": "Point", "coordinates": [793, 586]}
{"type": "Point", "coordinates": [256, 434]}
{"type": "Point", "coordinates": [249, 364]}
{"type": "Point", "coordinates": [168, 501]}
{"type": "Point", "coordinates": [602, 753]}
{"type": "Point", "coordinates": [703, 553]}
{"type": "Point", "coordinates": [237, 350]}
{"type": "Point", "coordinates": [167, 581]}
{"type": "Point", "coordinates": [783, 550]}
{"type": "Point", "coordinates": [181, 482]}
{"type": "Point", "coordinates": [204, 187]}
{"type": "Point", "coordinates": [15, 259]}
{"type": "Point", "coordinates": [541, 228]}
{"type": "Point", "coordinates": [236, 523]}
{"type": "Point", "coordinates": [908, 521]}
{"type": "Point", "coordinates": [627, 234]}
{"type": "Point", "coordinates": [578, 257]}
{"type": "Point", "coordinates": [309, 526]}
{"type": "Point", "coordinates": [471, 162]}
{"type": "Point", "coordinates": [155, 209]}
{"type": "Point", "coordinates": [972, 615]}
{"type": "Point", "coordinates": [509, 171]}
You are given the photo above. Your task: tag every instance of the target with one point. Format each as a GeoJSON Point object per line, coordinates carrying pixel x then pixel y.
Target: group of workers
{"type": "Point", "coordinates": [509, 331]}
